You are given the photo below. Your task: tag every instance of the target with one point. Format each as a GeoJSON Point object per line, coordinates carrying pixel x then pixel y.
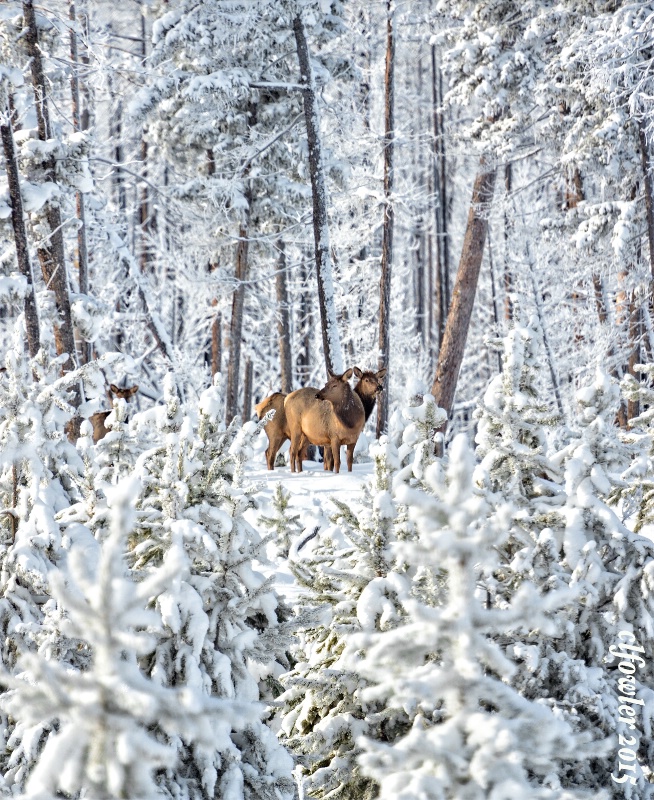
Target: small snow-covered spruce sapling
{"type": "Point", "coordinates": [283, 524]}
{"type": "Point", "coordinates": [104, 746]}
{"type": "Point", "coordinates": [223, 634]}
{"type": "Point", "coordinates": [473, 736]}
{"type": "Point", "coordinates": [351, 583]}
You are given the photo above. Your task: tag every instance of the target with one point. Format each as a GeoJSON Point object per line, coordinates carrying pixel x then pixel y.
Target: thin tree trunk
{"type": "Point", "coordinates": [82, 248]}
{"type": "Point", "coordinates": [216, 342]}
{"type": "Point", "coordinates": [247, 390]}
{"type": "Point", "coordinates": [50, 249]}
{"type": "Point", "coordinates": [330, 336]}
{"type": "Point", "coordinates": [283, 322]}
{"type": "Point", "coordinates": [20, 233]}
{"type": "Point", "coordinates": [649, 194]}
{"type": "Point", "coordinates": [236, 325]}
{"type": "Point", "coordinates": [496, 316]}
{"type": "Point", "coordinates": [305, 327]}
{"type": "Point", "coordinates": [389, 218]}
{"type": "Point", "coordinates": [465, 287]}
{"type": "Point", "coordinates": [508, 275]}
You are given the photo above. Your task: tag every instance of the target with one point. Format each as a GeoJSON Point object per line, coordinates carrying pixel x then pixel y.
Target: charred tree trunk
{"type": "Point", "coordinates": [20, 233]}
{"type": "Point", "coordinates": [283, 322]}
{"type": "Point", "coordinates": [389, 216]}
{"type": "Point", "coordinates": [247, 390]}
{"type": "Point", "coordinates": [51, 248]}
{"type": "Point", "coordinates": [329, 323]}
{"type": "Point", "coordinates": [82, 248]}
{"type": "Point", "coordinates": [465, 287]}
{"type": "Point", "coordinates": [236, 325]}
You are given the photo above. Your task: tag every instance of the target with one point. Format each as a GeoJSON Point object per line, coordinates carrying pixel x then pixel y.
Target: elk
{"type": "Point", "coordinates": [368, 387]}
{"type": "Point", "coordinates": [277, 429]}
{"type": "Point", "coordinates": [98, 419]}
{"type": "Point", "coordinates": [331, 417]}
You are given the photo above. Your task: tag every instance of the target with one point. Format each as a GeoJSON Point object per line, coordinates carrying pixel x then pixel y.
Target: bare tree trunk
{"type": "Point", "coordinates": [82, 248]}
{"type": "Point", "coordinates": [646, 161]}
{"type": "Point", "coordinates": [389, 218]}
{"type": "Point", "coordinates": [50, 249]}
{"type": "Point", "coordinates": [236, 325]}
{"type": "Point", "coordinates": [247, 390]}
{"type": "Point", "coordinates": [508, 275]}
{"type": "Point", "coordinates": [283, 322]}
{"type": "Point", "coordinates": [465, 287]}
{"type": "Point", "coordinates": [305, 327]}
{"type": "Point", "coordinates": [216, 342]}
{"type": "Point", "coordinates": [20, 233]}
{"type": "Point", "coordinates": [330, 337]}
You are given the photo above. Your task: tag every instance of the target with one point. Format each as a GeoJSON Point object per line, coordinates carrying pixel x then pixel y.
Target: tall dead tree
{"type": "Point", "coordinates": [50, 247]}
{"type": "Point", "coordinates": [465, 288]}
{"type": "Point", "coordinates": [18, 223]}
{"type": "Point", "coordinates": [305, 327]}
{"type": "Point", "coordinates": [326, 302]}
{"type": "Point", "coordinates": [648, 185]}
{"type": "Point", "coordinates": [283, 322]}
{"type": "Point", "coordinates": [82, 247]}
{"type": "Point", "coordinates": [389, 216]}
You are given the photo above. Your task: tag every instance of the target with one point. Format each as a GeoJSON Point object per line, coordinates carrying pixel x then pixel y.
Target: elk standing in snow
{"type": "Point", "coordinates": [332, 417]}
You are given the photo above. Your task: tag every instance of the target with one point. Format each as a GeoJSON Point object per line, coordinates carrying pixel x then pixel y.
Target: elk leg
{"type": "Point", "coordinates": [336, 454]}
{"type": "Point", "coordinates": [328, 458]}
{"type": "Point", "coordinates": [350, 456]}
{"type": "Point", "coordinates": [296, 456]}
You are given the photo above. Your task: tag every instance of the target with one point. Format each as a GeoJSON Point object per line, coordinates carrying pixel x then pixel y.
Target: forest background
{"type": "Point", "coordinates": [218, 200]}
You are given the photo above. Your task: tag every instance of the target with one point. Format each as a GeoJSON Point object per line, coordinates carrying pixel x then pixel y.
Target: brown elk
{"type": "Point", "coordinates": [368, 387]}
{"type": "Point", "coordinates": [332, 417]}
{"type": "Point", "coordinates": [277, 429]}
{"type": "Point", "coordinates": [98, 419]}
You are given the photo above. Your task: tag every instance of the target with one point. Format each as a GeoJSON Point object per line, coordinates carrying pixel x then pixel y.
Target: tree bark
{"type": "Point", "coordinates": [216, 342]}
{"type": "Point", "coordinates": [329, 323]}
{"type": "Point", "coordinates": [508, 275]}
{"type": "Point", "coordinates": [82, 247]}
{"type": "Point", "coordinates": [51, 248]}
{"type": "Point", "coordinates": [305, 328]}
{"type": "Point", "coordinates": [247, 390]}
{"type": "Point", "coordinates": [283, 322]}
{"type": "Point", "coordinates": [465, 287]}
{"type": "Point", "coordinates": [442, 297]}
{"type": "Point", "coordinates": [236, 325]}
{"type": "Point", "coordinates": [389, 217]}
{"type": "Point", "coordinates": [649, 194]}
{"type": "Point", "coordinates": [20, 233]}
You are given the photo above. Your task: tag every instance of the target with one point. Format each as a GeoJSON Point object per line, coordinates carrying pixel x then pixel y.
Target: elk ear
{"type": "Point", "coordinates": [114, 388]}
{"type": "Point", "coordinates": [347, 374]}
{"type": "Point", "coordinates": [358, 372]}
{"type": "Point", "coordinates": [379, 375]}
{"type": "Point", "coordinates": [133, 390]}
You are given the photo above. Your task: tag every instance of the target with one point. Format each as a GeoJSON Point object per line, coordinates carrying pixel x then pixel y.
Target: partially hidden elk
{"type": "Point", "coordinates": [277, 429]}
{"type": "Point", "coordinates": [98, 419]}
{"type": "Point", "coordinates": [368, 387]}
{"type": "Point", "coordinates": [331, 417]}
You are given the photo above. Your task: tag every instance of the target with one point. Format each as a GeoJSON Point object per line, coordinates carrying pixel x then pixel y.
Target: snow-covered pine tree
{"type": "Point", "coordinates": [473, 735]}
{"type": "Point", "coordinates": [282, 524]}
{"type": "Point", "coordinates": [223, 635]}
{"type": "Point", "coordinates": [103, 745]}
{"type": "Point", "coordinates": [40, 474]}
{"type": "Point", "coordinates": [351, 583]}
